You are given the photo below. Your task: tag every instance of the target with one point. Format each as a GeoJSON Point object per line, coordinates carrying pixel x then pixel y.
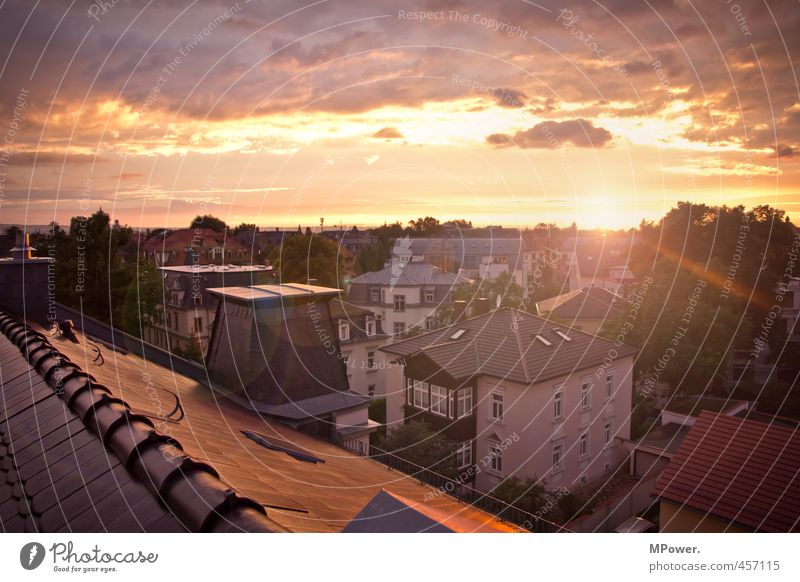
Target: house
{"type": "Point", "coordinates": [405, 295]}
{"type": "Point", "coordinates": [360, 339]}
{"type": "Point", "coordinates": [188, 246]}
{"type": "Point", "coordinates": [189, 310]}
{"type": "Point", "coordinates": [353, 240]}
{"type": "Point", "coordinates": [586, 309]}
{"type": "Point", "coordinates": [521, 395]}
{"type": "Point", "coordinates": [732, 475]}
{"type": "Point", "coordinates": [684, 410]}
{"type": "Point", "coordinates": [600, 261]}
{"type": "Point", "coordinates": [473, 257]}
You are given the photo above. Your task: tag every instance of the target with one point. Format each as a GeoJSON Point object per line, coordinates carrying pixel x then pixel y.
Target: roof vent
{"type": "Point", "coordinates": [544, 340]}
{"type": "Point", "coordinates": [458, 334]}
{"type": "Point", "coordinates": [562, 335]}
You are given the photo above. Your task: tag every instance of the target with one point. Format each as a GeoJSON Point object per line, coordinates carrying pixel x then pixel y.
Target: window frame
{"type": "Point", "coordinates": [423, 390]}
{"type": "Point", "coordinates": [583, 445]}
{"type": "Point", "coordinates": [439, 398]}
{"type": "Point", "coordinates": [462, 409]}
{"type": "Point", "coordinates": [557, 463]}
{"type": "Point", "coordinates": [399, 303]}
{"type": "Point", "coordinates": [610, 377]}
{"type": "Point", "coordinates": [495, 402]}
{"type": "Point", "coordinates": [428, 292]}
{"type": "Point", "coordinates": [558, 404]}
{"type": "Point", "coordinates": [464, 450]}
{"type": "Point", "coordinates": [371, 327]}
{"type": "Point", "coordinates": [608, 432]}
{"type": "Point", "coordinates": [344, 331]}
{"type": "Point", "coordinates": [495, 458]}
{"type": "Point", "coordinates": [586, 395]}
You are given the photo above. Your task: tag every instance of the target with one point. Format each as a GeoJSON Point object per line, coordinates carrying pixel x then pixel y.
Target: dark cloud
{"type": "Point", "coordinates": [511, 98]}
{"type": "Point", "coordinates": [553, 134]}
{"type": "Point", "coordinates": [388, 133]}
{"type": "Point", "coordinates": [127, 176]}
{"type": "Point", "coordinates": [783, 150]}
{"type": "Point", "coordinates": [32, 158]}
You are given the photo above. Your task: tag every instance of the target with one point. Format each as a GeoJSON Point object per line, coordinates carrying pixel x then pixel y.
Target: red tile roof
{"type": "Point", "coordinates": [737, 470]}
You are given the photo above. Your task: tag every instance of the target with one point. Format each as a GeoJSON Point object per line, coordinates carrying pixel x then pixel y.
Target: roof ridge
{"type": "Point", "coordinates": [192, 491]}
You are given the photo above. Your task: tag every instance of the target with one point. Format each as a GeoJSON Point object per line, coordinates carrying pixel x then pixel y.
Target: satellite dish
{"type": "Point", "coordinates": [499, 301]}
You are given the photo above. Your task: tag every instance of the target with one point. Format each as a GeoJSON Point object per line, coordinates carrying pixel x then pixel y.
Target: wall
{"type": "Point", "coordinates": [681, 519]}
{"type": "Point", "coordinates": [529, 414]}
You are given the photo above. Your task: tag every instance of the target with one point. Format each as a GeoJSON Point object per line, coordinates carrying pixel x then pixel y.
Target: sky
{"type": "Point", "coordinates": [281, 113]}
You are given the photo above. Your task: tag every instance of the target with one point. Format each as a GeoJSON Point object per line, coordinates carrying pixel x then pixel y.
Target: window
{"type": "Point", "coordinates": [496, 404]}
{"type": "Point", "coordinates": [421, 396]}
{"type": "Point", "coordinates": [374, 294]}
{"type": "Point", "coordinates": [583, 445]}
{"type": "Point", "coordinates": [197, 299]}
{"type": "Point", "coordinates": [370, 360]}
{"type": "Point", "coordinates": [607, 431]}
{"type": "Point", "coordinates": [586, 391]}
{"type": "Point", "coordinates": [198, 324]}
{"type": "Point", "coordinates": [558, 405]}
{"type": "Point", "coordinates": [429, 295]}
{"type": "Point", "coordinates": [495, 457]}
{"type": "Point", "coordinates": [464, 404]}
{"type": "Point", "coordinates": [438, 400]}
{"type": "Point", "coordinates": [409, 391]}
{"type": "Point", "coordinates": [544, 340]}
{"type": "Point", "coordinates": [609, 386]}
{"type": "Point", "coordinates": [458, 333]}
{"type": "Point", "coordinates": [371, 390]}
{"type": "Point", "coordinates": [400, 303]}
{"type": "Point", "coordinates": [464, 455]}
{"type": "Point", "coordinates": [371, 327]}
{"type": "Point", "coordinates": [344, 331]}
{"type": "Point", "coordinates": [429, 323]}
{"type": "Point", "coordinates": [399, 328]}
{"type": "Point", "coordinates": [557, 456]}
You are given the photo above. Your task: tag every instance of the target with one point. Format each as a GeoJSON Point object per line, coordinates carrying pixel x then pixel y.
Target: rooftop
{"type": "Point", "coordinates": [215, 268]}
{"type": "Point", "coordinates": [509, 344]}
{"type": "Point", "coordinates": [585, 303]}
{"type": "Point", "coordinates": [271, 292]}
{"type": "Point", "coordinates": [400, 274]}
{"type": "Point", "coordinates": [297, 495]}
{"type": "Point", "coordinates": [738, 470]}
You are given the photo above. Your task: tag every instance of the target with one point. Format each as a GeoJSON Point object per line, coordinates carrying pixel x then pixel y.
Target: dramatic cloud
{"type": "Point", "coordinates": [388, 133]}
{"type": "Point", "coordinates": [554, 134]}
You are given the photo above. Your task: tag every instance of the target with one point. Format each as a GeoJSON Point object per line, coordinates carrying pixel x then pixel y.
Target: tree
{"type": "Point", "coordinates": [371, 258]}
{"type": "Point", "coordinates": [427, 226]}
{"type": "Point", "coordinates": [245, 227]}
{"type": "Point", "coordinates": [143, 299]}
{"type": "Point", "coordinates": [527, 494]}
{"type": "Point", "coordinates": [418, 443]}
{"type": "Point", "coordinates": [209, 221]}
{"type": "Point", "coordinates": [306, 258]}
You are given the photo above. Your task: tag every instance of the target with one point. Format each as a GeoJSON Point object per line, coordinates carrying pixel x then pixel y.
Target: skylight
{"type": "Point", "coordinates": [562, 335]}
{"type": "Point", "coordinates": [544, 340]}
{"type": "Point", "coordinates": [275, 444]}
{"type": "Point", "coordinates": [458, 333]}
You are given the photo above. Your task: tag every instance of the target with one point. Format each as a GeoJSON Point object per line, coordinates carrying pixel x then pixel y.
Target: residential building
{"type": "Point", "coordinates": [360, 338]}
{"type": "Point", "coordinates": [586, 309]}
{"type": "Point", "coordinates": [473, 258]}
{"type": "Point", "coordinates": [732, 475]}
{"type": "Point", "coordinates": [405, 295]}
{"type": "Point", "coordinates": [521, 395]}
{"type": "Point", "coordinates": [600, 261]}
{"type": "Point", "coordinates": [188, 246]}
{"type": "Point", "coordinates": [189, 310]}
{"type": "Point", "coordinates": [353, 239]}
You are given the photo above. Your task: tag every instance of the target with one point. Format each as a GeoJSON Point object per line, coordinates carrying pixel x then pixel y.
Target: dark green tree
{"type": "Point", "coordinates": [309, 257]}
{"type": "Point", "coordinates": [418, 443]}
{"type": "Point", "coordinates": [208, 221]}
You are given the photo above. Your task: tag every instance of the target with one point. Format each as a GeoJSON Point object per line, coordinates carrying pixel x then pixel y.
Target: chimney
{"type": "Point", "coordinates": [26, 288]}
{"type": "Point", "coordinates": [481, 306]}
{"type": "Point", "coordinates": [459, 310]}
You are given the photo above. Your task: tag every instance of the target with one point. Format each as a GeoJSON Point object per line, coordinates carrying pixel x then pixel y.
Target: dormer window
{"type": "Point", "coordinates": [374, 294]}
{"type": "Point", "coordinates": [344, 331]}
{"type": "Point", "coordinates": [371, 327]}
{"type": "Point", "coordinates": [429, 295]}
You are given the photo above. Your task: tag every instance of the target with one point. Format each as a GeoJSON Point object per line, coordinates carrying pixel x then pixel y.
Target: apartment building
{"type": "Point", "coordinates": [600, 261]}
{"type": "Point", "coordinates": [405, 295]}
{"type": "Point", "coordinates": [586, 309]}
{"type": "Point", "coordinates": [522, 396]}
{"type": "Point", "coordinates": [201, 246]}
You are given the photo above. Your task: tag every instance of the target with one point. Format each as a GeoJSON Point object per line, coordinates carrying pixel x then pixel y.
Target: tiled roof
{"type": "Point", "coordinates": [588, 303]}
{"type": "Point", "coordinates": [741, 471]}
{"type": "Point", "coordinates": [410, 274]}
{"type": "Point", "coordinates": [503, 344]}
{"type": "Point", "coordinates": [74, 458]}
{"type": "Point", "coordinates": [298, 496]}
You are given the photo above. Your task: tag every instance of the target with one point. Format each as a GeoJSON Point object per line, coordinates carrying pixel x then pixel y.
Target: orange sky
{"type": "Point", "coordinates": [514, 113]}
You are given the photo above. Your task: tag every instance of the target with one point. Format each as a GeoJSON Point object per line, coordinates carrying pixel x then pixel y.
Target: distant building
{"type": "Point", "coordinates": [732, 475]}
{"type": "Point", "coordinates": [600, 262]}
{"type": "Point", "coordinates": [352, 239]}
{"type": "Point", "coordinates": [522, 397]}
{"type": "Point", "coordinates": [585, 309]}
{"type": "Point", "coordinates": [202, 246]}
{"type": "Point", "coordinates": [360, 338]}
{"type": "Point", "coordinates": [189, 310]}
{"type": "Point", "coordinates": [473, 258]}
{"type": "Point", "coordinates": [405, 295]}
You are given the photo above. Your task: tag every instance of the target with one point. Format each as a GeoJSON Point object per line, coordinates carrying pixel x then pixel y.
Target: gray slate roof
{"type": "Point", "coordinates": [588, 303]}
{"type": "Point", "coordinates": [410, 274]}
{"type": "Point", "coordinates": [502, 344]}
